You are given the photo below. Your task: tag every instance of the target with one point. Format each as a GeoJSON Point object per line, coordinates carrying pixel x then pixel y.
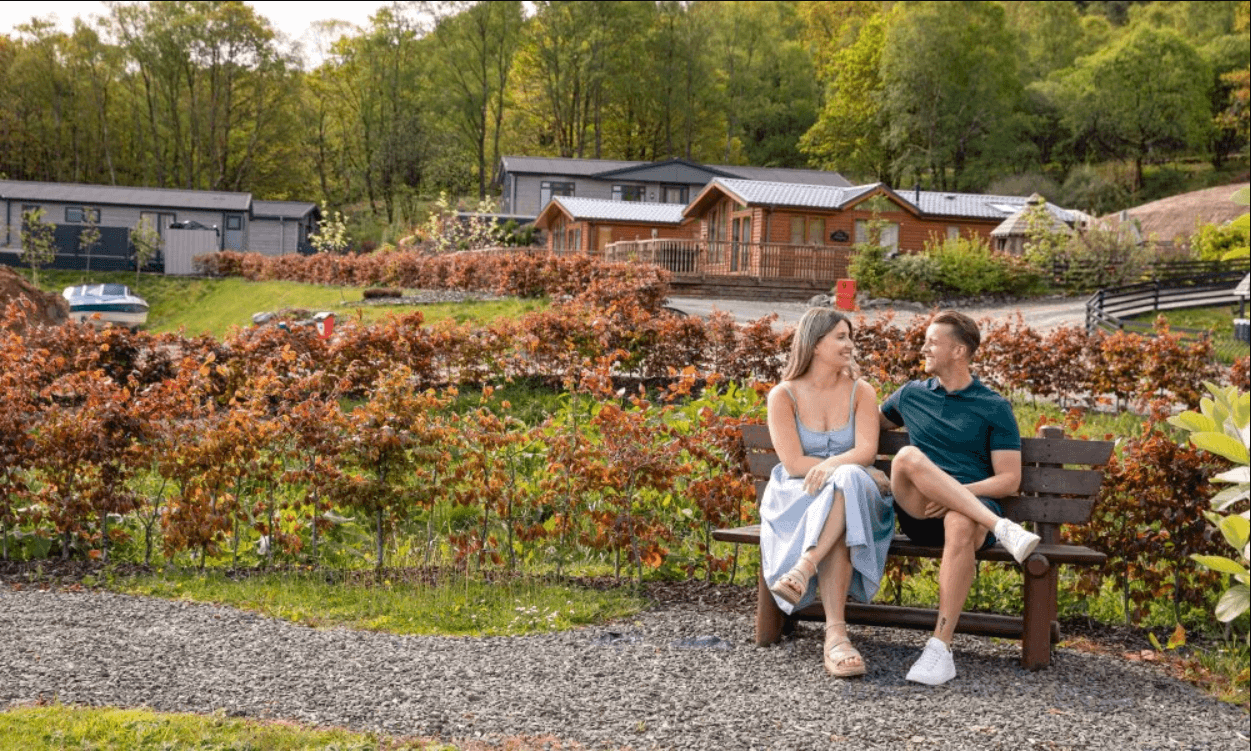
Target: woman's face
{"type": "Point", "coordinates": [836, 347]}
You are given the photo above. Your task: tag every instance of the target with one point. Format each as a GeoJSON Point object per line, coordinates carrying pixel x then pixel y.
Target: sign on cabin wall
{"type": "Point", "coordinates": [839, 236]}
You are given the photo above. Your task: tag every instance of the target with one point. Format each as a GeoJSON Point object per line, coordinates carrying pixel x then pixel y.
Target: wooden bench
{"type": "Point", "coordinates": [1059, 483]}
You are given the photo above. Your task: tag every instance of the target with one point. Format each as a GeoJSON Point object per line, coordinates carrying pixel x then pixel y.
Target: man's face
{"type": "Point", "coordinates": [940, 350]}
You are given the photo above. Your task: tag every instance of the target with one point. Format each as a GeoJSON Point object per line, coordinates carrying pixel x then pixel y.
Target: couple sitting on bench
{"type": "Point", "coordinates": [827, 516]}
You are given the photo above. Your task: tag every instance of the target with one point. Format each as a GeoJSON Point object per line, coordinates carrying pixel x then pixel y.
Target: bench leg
{"type": "Point", "coordinates": [770, 620]}
{"type": "Point", "coordinates": [1041, 584]}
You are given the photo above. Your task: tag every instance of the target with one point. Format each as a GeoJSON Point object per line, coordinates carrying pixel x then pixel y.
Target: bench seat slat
{"type": "Point", "coordinates": [1033, 450]}
{"type": "Point", "coordinates": [1040, 480]}
{"type": "Point", "coordinates": [1048, 509]}
{"type": "Point", "coordinates": [901, 545]}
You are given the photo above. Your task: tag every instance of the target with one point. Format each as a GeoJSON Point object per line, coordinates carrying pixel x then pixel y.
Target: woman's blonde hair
{"type": "Point", "coordinates": [815, 323]}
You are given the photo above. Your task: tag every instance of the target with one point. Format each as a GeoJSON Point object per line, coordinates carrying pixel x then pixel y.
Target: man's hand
{"type": "Point", "coordinates": [880, 479]}
{"type": "Point", "coordinates": [935, 510]}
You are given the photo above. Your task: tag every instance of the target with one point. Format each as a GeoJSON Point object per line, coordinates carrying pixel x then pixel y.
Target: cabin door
{"type": "Point", "coordinates": [233, 237]}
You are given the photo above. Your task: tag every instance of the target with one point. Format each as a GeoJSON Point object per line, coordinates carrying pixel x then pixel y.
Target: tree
{"type": "Point", "coordinates": [146, 241]}
{"type": "Point", "coordinates": [38, 242]}
{"type": "Point", "coordinates": [89, 239]}
{"type": "Point", "coordinates": [1144, 96]}
{"type": "Point", "coordinates": [849, 134]}
{"type": "Point", "coordinates": [478, 41]}
{"type": "Point", "coordinates": [950, 88]}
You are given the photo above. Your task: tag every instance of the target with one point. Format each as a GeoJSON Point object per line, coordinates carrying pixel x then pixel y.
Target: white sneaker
{"type": "Point", "coordinates": [1016, 539]}
{"type": "Point", "coordinates": [935, 666]}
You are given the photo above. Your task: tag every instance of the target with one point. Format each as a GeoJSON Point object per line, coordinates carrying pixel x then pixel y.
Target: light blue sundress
{"type": "Point", "coordinates": [791, 520]}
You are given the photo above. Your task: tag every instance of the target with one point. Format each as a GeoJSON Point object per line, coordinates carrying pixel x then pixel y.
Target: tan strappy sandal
{"type": "Point", "coordinates": [838, 655]}
{"type": "Point", "coordinates": [794, 583]}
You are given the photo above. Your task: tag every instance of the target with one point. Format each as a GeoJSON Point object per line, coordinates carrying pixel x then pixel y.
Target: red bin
{"type": "Point", "coordinates": [845, 294]}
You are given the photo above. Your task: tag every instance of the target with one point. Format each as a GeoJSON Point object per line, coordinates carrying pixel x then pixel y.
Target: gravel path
{"type": "Point", "coordinates": [1042, 314]}
{"type": "Point", "coordinates": [632, 684]}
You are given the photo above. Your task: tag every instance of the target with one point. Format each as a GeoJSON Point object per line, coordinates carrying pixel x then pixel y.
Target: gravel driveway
{"type": "Point", "coordinates": [1042, 314]}
{"type": "Point", "coordinates": [637, 684]}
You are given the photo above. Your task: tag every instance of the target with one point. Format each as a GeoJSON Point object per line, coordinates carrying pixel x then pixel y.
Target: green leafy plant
{"type": "Point", "coordinates": [38, 242]}
{"type": "Point", "coordinates": [146, 241]}
{"type": "Point", "coordinates": [332, 233]}
{"type": "Point", "coordinates": [1221, 427]}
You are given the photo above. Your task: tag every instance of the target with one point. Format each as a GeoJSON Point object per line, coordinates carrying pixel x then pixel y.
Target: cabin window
{"type": "Point", "coordinates": [953, 232]}
{"type": "Point", "coordinates": [158, 220]}
{"type": "Point", "coordinates": [673, 194]}
{"type": "Point", "coordinates": [889, 237]}
{"type": "Point", "coordinates": [81, 215]}
{"type": "Point", "coordinates": [628, 193]}
{"type": "Point", "coordinates": [807, 230]}
{"type": "Point", "coordinates": [548, 189]}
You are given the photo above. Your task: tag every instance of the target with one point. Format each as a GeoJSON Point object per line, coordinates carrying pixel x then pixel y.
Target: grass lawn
{"type": "Point", "coordinates": [1218, 320]}
{"type": "Point", "coordinates": [47, 728]}
{"type": "Point", "coordinates": [197, 305]}
{"type": "Point", "coordinates": [454, 606]}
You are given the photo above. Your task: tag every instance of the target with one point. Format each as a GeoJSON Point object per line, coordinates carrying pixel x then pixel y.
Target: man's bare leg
{"type": "Point", "coordinates": [919, 485]}
{"type": "Point", "coordinates": [962, 537]}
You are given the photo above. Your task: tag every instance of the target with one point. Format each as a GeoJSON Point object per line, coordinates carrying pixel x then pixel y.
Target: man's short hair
{"type": "Point", "coordinates": [963, 328]}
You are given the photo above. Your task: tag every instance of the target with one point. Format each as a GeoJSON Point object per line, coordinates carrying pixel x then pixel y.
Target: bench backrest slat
{"type": "Point", "coordinates": [1048, 494]}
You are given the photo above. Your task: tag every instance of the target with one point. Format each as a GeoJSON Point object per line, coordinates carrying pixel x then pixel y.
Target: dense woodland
{"type": "Point", "coordinates": [1082, 101]}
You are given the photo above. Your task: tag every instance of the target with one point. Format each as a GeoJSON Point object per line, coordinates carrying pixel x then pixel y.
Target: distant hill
{"type": "Point", "coordinates": [1174, 219]}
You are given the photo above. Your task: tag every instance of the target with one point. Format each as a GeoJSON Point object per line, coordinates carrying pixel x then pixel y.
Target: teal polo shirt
{"type": "Point", "coordinates": [957, 430]}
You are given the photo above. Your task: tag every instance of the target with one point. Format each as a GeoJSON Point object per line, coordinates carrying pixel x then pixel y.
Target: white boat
{"type": "Point", "coordinates": [113, 303]}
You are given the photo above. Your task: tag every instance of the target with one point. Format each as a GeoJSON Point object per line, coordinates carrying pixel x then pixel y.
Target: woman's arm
{"type": "Point", "coordinates": [863, 451]}
{"type": "Point", "coordinates": [784, 434]}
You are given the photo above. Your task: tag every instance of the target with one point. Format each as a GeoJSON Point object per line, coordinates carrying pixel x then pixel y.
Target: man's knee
{"type": "Point", "coordinates": [907, 460]}
{"type": "Point", "coordinates": [960, 531]}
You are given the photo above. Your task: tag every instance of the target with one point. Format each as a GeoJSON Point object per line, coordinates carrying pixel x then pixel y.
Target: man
{"type": "Point", "coordinates": [965, 454]}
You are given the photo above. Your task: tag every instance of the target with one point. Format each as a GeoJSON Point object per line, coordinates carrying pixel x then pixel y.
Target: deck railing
{"type": "Point", "coordinates": [826, 263]}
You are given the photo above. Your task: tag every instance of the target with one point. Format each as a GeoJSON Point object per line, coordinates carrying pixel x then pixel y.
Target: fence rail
{"type": "Point", "coordinates": [1107, 308]}
{"type": "Point", "coordinates": [825, 263]}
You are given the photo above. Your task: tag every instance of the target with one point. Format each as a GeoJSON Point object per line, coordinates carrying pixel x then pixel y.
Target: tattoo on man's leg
{"type": "Point", "coordinates": [942, 623]}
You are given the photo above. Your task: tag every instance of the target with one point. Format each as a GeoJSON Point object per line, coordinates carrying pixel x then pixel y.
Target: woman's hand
{"type": "Point", "coordinates": [817, 477]}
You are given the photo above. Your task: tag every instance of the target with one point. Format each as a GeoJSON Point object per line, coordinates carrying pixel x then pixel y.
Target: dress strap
{"type": "Point", "coordinates": [794, 401]}
{"type": "Point", "coordinates": [851, 406]}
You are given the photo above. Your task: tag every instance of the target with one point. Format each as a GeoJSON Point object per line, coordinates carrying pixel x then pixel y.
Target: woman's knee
{"type": "Point", "coordinates": [850, 474]}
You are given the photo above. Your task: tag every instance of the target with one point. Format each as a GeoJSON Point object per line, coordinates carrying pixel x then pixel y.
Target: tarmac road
{"type": "Point", "coordinates": [1042, 315]}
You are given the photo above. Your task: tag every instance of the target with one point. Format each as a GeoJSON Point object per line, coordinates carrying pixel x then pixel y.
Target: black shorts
{"type": "Point", "coordinates": [931, 533]}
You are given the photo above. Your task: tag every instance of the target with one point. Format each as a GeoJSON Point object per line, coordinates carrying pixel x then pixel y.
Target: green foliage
{"type": "Point", "coordinates": [1096, 258]}
{"type": "Point", "coordinates": [38, 242]}
{"type": "Point", "coordinates": [967, 266]}
{"type": "Point", "coordinates": [1223, 427]}
{"type": "Point", "coordinates": [446, 232]}
{"type": "Point", "coordinates": [901, 277]}
{"type": "Point", "coordinates": [145, 241]}
{"type": "Point", "coordinates": [1143, 95]}
{"type": "Point", "coordinates": [938, 58]}
{"type": "Point", "coordinates": [332, 233]}
{"type": "Point", "coordinates": [89, 240]}
{"type": "Point", "coordinates": [1213, 242]}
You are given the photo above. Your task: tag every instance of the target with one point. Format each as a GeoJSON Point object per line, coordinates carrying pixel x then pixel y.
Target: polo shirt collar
{"type": "Point", "coordinates": [933, 385]}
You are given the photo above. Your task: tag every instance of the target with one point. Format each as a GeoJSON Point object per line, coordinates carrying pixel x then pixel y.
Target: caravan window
{"type": "Point", "coordinates": [81, 215]}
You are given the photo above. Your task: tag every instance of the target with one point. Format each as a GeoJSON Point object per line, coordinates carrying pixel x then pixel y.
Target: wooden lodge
{"type": "Point", "coordinates": [806, 232]}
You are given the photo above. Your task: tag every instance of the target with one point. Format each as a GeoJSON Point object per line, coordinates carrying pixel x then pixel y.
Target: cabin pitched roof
{"type": "Point", "coordinates": [116, 195]}
{"type": "Point", "coordinates": [599, 209]}
{"type": "Point", "coordinates": [924, 202]}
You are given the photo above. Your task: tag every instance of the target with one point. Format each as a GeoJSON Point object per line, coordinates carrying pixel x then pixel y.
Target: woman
{"type": "Point", "coordinates": [822, 514]}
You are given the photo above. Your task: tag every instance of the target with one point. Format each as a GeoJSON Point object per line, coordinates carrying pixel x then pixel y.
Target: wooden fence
{"type": "Point", "coordinates": [820, 263]}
